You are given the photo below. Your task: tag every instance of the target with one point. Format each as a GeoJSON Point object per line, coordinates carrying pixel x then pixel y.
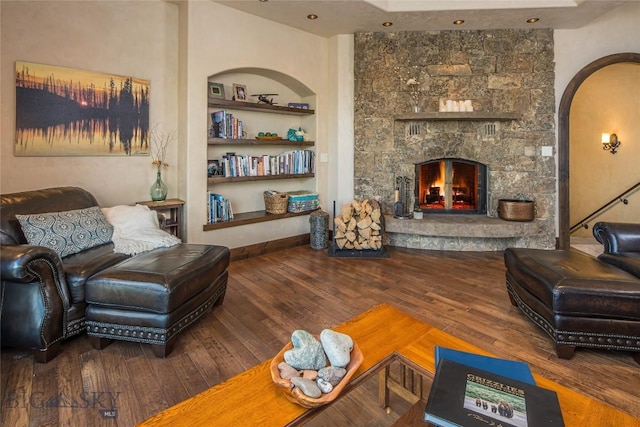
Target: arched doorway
{"type": "Point", "coordinates": [563, 137]}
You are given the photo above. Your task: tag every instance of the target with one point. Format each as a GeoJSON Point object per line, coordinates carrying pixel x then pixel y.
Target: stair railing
{"type": "Point", "coordinates": [619, 199]}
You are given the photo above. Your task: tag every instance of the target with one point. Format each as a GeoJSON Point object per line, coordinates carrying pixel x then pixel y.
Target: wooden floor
{"type": "Point", "coordinates": [272, 295]}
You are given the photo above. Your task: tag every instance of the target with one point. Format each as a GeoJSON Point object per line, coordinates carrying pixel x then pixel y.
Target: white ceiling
{"type": "Point", "coordinates": [349, 16]}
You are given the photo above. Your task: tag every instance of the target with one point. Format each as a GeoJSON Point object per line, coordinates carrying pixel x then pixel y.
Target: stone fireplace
{"type": "Point", "coordinates": [451, 186]}
{"type": "Point", "coordinates": [480, 157]}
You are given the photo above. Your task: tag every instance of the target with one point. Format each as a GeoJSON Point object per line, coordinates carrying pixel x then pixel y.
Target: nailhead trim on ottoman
{"type": "Point", "coordinates": [147, 335]}
{"type": "Point", "coordinates": [576, 338]}
{"type": "Point", "coordinates": [152, 297]}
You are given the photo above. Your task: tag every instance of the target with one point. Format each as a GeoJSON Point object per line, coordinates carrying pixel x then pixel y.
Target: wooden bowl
{"type": "Point", "coordinates": [295, 395]}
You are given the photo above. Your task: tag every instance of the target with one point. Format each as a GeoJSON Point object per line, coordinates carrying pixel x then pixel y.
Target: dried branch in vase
{"type": "Point", "coordinates": [159, 142]}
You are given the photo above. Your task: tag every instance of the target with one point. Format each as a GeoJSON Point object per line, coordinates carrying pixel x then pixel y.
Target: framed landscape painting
{"type": "Point", "coordinates": [69, 112]}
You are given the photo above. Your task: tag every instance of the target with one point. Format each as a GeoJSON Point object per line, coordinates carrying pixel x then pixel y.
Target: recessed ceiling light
{"type": "Point", "coordinates": [532, 20]}
{"type": "Point", "coordinates": [263, 1]}
{"type": "Point", "coordinates": [312, 16]}
{"type": "Point", "coordinates": [387, 24]}
{"type": "Point", "coordinates": [458, 22]}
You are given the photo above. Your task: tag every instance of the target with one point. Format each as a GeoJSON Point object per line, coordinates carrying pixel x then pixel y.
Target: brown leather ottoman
{"type": "Point", "coordinates": [153, 296]}
{"type": "Point", "coordinates": [576, 299]}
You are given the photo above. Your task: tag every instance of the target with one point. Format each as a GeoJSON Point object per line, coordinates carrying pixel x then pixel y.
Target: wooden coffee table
{"type": "Point", "coordinates": [383, 332]}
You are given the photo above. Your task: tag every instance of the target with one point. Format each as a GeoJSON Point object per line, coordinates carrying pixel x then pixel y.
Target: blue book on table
{"type": "Point", "coordinates": [507, 368]}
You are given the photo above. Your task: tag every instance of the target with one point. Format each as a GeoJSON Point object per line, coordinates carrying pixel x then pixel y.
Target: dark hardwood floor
{"type": "Point", "coordinates": [301, 288]}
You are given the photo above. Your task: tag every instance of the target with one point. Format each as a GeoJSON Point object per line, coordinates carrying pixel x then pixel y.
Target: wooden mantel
{"type": "Point", "coordinates": [465, 116]}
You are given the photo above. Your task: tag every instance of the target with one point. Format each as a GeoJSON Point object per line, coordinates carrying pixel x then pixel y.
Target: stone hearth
{"type": "Point", "coordinates": [458, 232]}
{"type": "Point", "coordinates": [508, 76]}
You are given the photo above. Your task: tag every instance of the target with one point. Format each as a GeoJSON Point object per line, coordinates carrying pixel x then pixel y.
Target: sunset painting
{"type": "Point", "coordinates": [68, 112]}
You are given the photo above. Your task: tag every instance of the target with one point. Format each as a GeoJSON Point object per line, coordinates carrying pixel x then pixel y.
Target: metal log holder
{"type": "Point", "coordinates": [335, 252]}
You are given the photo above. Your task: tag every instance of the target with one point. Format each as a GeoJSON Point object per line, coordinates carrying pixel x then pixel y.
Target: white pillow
{"type": "Point", "coordinates": [136, 229]}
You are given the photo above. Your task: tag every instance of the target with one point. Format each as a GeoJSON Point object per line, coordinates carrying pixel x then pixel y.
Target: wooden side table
{"type": "Point", "coordinates": [172, 208]}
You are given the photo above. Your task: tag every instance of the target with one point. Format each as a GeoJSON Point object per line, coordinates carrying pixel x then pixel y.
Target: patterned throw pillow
{"type": "Point", "coordinates": [67, 232]}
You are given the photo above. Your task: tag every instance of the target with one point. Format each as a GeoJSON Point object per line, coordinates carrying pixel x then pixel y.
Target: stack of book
{"type": "Point", "coordinates": [302, 201]}
{"type": "Point", "coordinates": [291, 162]}
{"type": "Point", "coordinates": [218, 208]}
{"type": "Point", "coordinates": [225, 125]}
{"type": "Point", "coordinates": [471, 390]}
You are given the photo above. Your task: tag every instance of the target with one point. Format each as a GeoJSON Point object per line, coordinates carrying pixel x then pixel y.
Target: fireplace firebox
{"type": "Point", "coordinates": [451, 186]}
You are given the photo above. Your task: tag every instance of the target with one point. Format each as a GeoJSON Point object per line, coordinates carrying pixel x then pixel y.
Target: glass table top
{"type": "Point", "coordinates": [393, 393]}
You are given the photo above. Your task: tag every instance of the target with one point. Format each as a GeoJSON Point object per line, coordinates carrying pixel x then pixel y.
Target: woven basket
{"type": "Point", "coordinates": [276, 203]}
{"type": "Point", "coordinates": [516, 210]}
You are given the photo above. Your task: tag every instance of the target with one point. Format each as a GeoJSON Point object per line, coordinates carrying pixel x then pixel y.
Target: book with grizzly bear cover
{"type": "Point", "coordinates": [507, 368]}
{"type": "Point", "coordinates": [465, 396]}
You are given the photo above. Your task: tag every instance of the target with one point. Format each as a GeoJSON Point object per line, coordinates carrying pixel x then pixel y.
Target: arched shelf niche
{"type": "Point", "coordinates": [246, 192]}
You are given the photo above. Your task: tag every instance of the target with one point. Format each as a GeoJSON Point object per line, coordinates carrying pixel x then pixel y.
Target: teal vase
{"type": "Point", "coordinates": [158, 189]}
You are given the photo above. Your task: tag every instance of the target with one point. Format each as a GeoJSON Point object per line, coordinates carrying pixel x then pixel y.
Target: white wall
{"type": "Point", "coordinates": [617, 31]}
{"type": "Point", "coordinates": [340, 186]}
{"type": "Point", "coordinates": [219, 39]}
{"type": "Point", "coordinates": [135, 38]}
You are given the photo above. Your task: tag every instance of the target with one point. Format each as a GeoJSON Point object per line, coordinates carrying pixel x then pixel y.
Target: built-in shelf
{"type": "Point", "coordinates": [470, 116]}
{"type": "Point", "coordinates": [276, 116]}
{"type": "Point", "coordinates": [252, 106]}
{"type": "Point", "coordinates": [251, 218]}
{"type": "Point", "coordinates": [221, 179]}
{"type": "Point", "coordinates": [228, 141]}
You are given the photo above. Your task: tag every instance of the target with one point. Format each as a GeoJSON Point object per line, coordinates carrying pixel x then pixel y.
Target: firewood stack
{"type": "Point", "coordinates": [359, 226]}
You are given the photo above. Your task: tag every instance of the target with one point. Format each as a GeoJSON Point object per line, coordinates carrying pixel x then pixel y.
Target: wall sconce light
{"type": "Point", "coordinates": [610, 142]}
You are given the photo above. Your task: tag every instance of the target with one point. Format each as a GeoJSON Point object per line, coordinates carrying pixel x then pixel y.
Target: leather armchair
{"type": "Point", "coordinates": [32, 278]}
{"type": "Point", "coordinates": [621, 243]}
{"type": "Point", "coordinates": [43, 295]}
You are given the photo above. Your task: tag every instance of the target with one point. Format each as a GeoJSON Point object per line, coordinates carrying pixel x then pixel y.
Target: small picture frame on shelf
{"type": "Point", "coordinates": [300, 105]}
{"type": "Point", "coordinates": [239, 92]}
{"type": "Point", "coordinates": [216, 90]}
{"type": "Point", "coordinates": [214, 168]}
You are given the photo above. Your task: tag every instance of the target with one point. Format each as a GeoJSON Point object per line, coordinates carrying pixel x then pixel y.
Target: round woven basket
{"type": "Point", "coordinates": [276, 203]}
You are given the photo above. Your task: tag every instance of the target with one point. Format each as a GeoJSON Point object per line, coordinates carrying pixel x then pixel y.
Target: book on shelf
{"type": "Point", "coordinates": [507, 368]}
{"type": "Point", "coordinates": [289, 163]}
{"type": "Point", "coordinates": [225, 125]}
{"type": "Point", "coordinates": [465, 396]}
{"type": "Point", "coordinates": [218, 208]}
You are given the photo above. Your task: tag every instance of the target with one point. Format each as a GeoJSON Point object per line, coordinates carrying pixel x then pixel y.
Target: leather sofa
{"type": "Point", "coordinates": [44, 295]}
{"type": "Point", "coordinates": [580, 300]}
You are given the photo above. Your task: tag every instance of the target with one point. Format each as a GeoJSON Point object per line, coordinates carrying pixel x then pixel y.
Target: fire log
{"type": "Point", "coordinates": [359, 226]}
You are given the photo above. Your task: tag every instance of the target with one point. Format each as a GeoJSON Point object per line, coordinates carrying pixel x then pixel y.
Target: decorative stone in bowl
{"type": "Point", "coordinates": [295, 394]}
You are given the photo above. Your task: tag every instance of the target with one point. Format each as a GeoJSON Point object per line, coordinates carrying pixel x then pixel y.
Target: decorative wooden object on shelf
{"type": "Point", "coordinates": [173, 208]}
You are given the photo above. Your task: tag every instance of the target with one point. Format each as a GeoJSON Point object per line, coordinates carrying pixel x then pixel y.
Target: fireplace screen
{"type": "Point", "coordinates": [451, 186]}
